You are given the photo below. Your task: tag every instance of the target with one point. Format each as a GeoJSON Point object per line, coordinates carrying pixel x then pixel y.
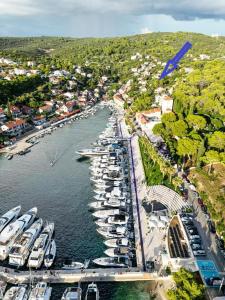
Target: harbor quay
{"type": "Point", "coordinates": [72, 276]}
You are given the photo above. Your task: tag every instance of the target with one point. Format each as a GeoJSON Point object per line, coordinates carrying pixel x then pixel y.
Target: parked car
{"type": "Point", "coordinates": [196, 247]}
{"type": "Point", "coordinates": [193, 231]}
{"type": "Point", "coordinates": [204, 208]}
{"type": "Point", "coordinates": [200, 202]}
{"type": "Point", "coordinates": [194, 237]}
{"type": "Point", "coordinates": [196, 241]}
{"type": "Point", "coordinates": [212, 227]}
{"type": "Point", "coordinates": [199, 253]}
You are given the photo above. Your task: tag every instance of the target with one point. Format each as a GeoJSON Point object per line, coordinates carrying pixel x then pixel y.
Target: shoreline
{"type": "Point", "coordinates": [23, 144]}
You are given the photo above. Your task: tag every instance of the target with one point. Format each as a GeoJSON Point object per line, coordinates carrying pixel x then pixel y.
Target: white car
{"type": "Point", "coordinates": [194, 237]}
{"type": "Point", "coordinates": [199, 253]}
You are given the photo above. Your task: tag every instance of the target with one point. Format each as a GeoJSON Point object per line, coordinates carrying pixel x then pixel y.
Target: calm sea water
{"type": "Point", "coordinates": [61, 194]}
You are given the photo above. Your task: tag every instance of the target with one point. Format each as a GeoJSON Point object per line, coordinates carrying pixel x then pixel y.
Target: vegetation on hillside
{"type": "Point", "coordinates": [187, 287]}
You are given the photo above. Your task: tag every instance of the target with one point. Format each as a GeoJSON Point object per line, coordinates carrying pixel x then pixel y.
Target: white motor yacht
{"type": "Point", "coordinates": [40, 246]}
{"type": "Point", "coordinates": [92, 292]}
{"type": "Point", "coordinates": [22, 247]}
{"type": "Point", "coordinates": [72, 293]}
{"type": "Point", "coordinates": [111, 261]}
{"type": "Point", "coordinates": [118, 219]}
{"type": "Point", "coordinates": [121, 242]}
{"type": "Point", "coordinates": [105, 213]}
{"type": "Point", "coordinates": [117, 252]}
{"type": "Point", "coordinates": [12, 231]}
{"type": "Point", "coordinates": [100, 205]}
{"type": "Point", "coordinates": [41, 292]}
{"type": "Point", "coordinates": [9, 217]}
{"type": "Point", "coordinates": [50, 254]}
{"type": "Point", "coordinates": [112, 231]}
{"type": "Point", "coordinates": [16, 293]}
{"type": "Point", "coordinates": [73, 266]}
{"type": "Point", "coordinates": [93, 152]}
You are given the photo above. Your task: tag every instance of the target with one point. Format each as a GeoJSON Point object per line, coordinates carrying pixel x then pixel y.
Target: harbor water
{"type": "Point", "coordinates": [62, 193]}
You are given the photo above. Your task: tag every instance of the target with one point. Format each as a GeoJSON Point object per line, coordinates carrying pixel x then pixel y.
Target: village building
{"type": "Point", "coordinates": [39, 120]}
{"type": "Point", "coordinates": [2, 115]}
{"type": "Point", "coordinates": [45, 109]}
{"type": "Point", "coordinates": [14, 128]}
{"type": "Point", "coordinates": [15, 111]}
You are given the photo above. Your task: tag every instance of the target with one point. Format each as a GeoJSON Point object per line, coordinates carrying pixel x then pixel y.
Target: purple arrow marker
{"type": "Point", "coordinates": [172, 64]}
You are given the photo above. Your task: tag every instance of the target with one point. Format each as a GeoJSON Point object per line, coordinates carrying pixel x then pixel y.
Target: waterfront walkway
{"type": "Point", "coordinates": [70, 276]}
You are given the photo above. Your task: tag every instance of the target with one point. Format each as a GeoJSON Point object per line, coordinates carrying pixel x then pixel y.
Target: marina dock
{"type": "Point", "coordinates": [72, 276]}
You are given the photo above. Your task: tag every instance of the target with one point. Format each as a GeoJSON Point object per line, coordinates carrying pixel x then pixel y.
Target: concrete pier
{"type": "Point", "coordinates": [71, 276]}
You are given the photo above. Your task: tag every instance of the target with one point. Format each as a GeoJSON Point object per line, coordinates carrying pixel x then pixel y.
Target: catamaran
{"type": "Point", "coordinates": [9, 217]}
{"type": "Point", "coordinates": [22, 247]}
{"type": "Point", "coordinates": [40, 246]}
{"type": "Point", "coordinates": [12, 231]}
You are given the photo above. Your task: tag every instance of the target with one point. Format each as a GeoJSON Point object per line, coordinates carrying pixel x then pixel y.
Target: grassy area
{"type": "Point", "coordinates": [211, 187]}
{"type": "Point", "coordinates": [152, 170]}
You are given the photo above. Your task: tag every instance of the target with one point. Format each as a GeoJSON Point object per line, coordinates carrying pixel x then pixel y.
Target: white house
{"type": "Point", "coordinates": [166, 104]}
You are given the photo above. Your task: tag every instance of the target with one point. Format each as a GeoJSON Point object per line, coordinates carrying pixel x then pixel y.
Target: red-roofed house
{"type": "Point", "coordinates": [148, 119]}
{"type": "Point", "coordinates": [45, 109]}
{"type": "Point", "coordinates": [15, 127]}
{"type": "Point", "coordinates": [39, 120]}
{"type": "Point", "coordinates": [68, 106]}
{"type": "Point", "coordinates": [15, 111]}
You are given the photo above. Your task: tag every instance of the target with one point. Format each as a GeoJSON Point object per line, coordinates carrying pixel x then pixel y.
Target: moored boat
{"type": "Point", "coordinates": [12, 231]}
{"type": "Point", "coordinates": [8, 217]}
{"type": "Point", "coordinates": [112, 231]}
{"type": "Point", "coordinates": [111, 261]}
{"type": "Point", "coordinates": [92, 292]}
{"type": "Point", "coordinates": [113, 243]}
{"type": "Point", "coordinates": [41, 292]}
{"type": "Point", "coordinates": [16, 293]}
{"type": "Point", "coordinates": [21, 249]}
{"type": "Point", "coordinates": [40, 246]}
{"type": "Point", "coordinates": [117, 252]}
{"type": "Point", "coordinates": [73, 266]}
{"type": "Point", "coordinates": [50, 254]}
{"type": "Point", "coordinates": [72, 293]}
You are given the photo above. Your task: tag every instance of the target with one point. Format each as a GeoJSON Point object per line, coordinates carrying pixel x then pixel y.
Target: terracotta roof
{"type": "Point", "coordinates": [41, 117]}
{"type": "Point", "coordinates": [70, 104]}
{"type": "Point", "coordinates": [1, 110]}
{"type": "Point", "coordinates": [16, 123]}
{"type": "Point", "coordinates": [168, 98]}
{"type": "Point", "coordinates": [152, 110]}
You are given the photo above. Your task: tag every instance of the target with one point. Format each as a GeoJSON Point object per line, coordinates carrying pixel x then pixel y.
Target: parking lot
{"type": "Point", "coordinates": [213, 247]}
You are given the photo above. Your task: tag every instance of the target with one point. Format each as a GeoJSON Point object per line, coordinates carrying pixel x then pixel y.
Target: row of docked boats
{"type": "Point", "coordinates": [43, 292]}
{"type": "Point", "coordinates": [26, 238]}
{"type": "Point", "coordinates": [111, 207]}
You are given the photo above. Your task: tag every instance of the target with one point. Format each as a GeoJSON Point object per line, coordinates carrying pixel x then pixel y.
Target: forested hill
{"type": "Point", "coordinates": [109, 50]}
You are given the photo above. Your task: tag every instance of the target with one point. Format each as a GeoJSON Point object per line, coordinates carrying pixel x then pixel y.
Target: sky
{"type": "Point", "coordinates": [100, 18]}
